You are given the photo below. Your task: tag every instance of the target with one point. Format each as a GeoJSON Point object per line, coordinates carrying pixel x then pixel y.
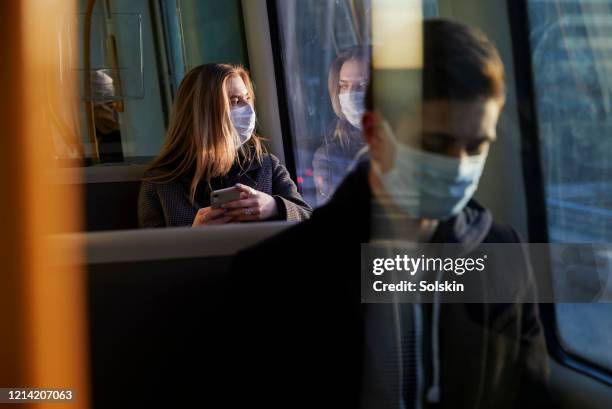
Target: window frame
{"type": "Point", "coordinates": [281, 91]}
{"type": "Point", "coordinates": [533, 175]}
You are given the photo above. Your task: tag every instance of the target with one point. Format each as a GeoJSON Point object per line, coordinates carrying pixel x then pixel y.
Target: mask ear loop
{"type": "Point", "coordinates": [245, 147]}
{"type": "Point", "coordinates": [237, 143]}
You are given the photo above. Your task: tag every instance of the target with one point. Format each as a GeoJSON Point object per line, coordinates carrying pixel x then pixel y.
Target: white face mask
{"type": "Point", "coordinates": [243, 118]}
{"type": "Point", "coordinates": [352, 105]}
{"type": "Point", "coordinates": [432, 186]}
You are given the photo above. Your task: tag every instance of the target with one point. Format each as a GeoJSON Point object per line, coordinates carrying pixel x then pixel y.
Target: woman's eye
{"type": "Point", "coordinates": [475, 148]}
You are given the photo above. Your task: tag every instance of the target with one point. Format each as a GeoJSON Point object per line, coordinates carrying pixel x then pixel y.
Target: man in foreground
{"type": "Point", "coordinates": [301, 337]}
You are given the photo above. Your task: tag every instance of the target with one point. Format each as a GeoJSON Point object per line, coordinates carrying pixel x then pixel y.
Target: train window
{"type": "Point", "coordinates": [129, 70]}
{"type": "Point", "coordinates": [324, 41]}
{"type": "Point", "coordinates": [572, 62]}
{"type": "Point", "coordinates": [212, 31]}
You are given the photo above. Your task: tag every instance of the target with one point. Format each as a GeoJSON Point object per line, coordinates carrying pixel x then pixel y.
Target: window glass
{"type": "Point", "coordinates": [121, 116]}
{"type": "Point", "coordinates": [212, 31]}
{"type": "Point", "coordinates": [137, 54]}
{"type": "Point", "coordinates": [323, 40]}
{"type": "Point", "coordinates": [572, 61]}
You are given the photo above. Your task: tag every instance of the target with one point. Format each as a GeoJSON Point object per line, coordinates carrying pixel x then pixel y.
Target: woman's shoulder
{"type": "Point", "coordinates": [160, 178]}
{"type": "Point", "coordinates": [336, 147]}
{"type": "Point", "coordinates": [269, 159]}
{"type": "Point", "coordinates": [347, 139]}
{"type": "Point", "coordinates": [152, 174]}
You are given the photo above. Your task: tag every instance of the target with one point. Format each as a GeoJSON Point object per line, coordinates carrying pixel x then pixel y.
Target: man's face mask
{"type": "Point", "coordinates": [352, 105]}
{"type": "Point", "coordinates": [243, 118]}
{"type": "Point", "coordinates": [432, 186]}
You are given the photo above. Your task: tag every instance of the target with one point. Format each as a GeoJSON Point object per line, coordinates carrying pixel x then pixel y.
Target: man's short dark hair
{"type": "Point", "coordinates": [460, 63]}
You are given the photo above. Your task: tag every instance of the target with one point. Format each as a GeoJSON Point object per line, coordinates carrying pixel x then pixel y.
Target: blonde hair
{"type": "Point", "coordinates": [201, 141]}
{"type": "Point", "coordinates": [342, 130]}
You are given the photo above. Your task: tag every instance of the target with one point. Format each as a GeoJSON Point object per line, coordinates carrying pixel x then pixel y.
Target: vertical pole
{"type": "Point", "coordinates": [43, 327]}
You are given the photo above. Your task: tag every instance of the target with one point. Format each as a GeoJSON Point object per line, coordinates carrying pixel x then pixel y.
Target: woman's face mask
{"type": "Point", "coordinates": [243, 118]}
{"type": "Point", "coordinates": [352, 105]}
{"type": "Point", "coordinates": [432, 186]}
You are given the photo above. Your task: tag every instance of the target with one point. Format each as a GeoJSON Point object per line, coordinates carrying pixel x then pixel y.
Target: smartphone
{"type": "Point", "coordinates": [222, 196]}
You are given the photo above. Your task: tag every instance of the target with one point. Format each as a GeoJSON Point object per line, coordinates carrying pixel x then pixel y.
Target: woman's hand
{"type": "Point", "coordinates": [208, 216]}
{"type": "Point", "coordinates": [252, 206]}
{"type": "Point", "coordinates": [381, 141]}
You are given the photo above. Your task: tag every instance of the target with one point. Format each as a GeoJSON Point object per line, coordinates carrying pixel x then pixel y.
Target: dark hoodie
{"type": "Point", "coordinates": [298, 315]}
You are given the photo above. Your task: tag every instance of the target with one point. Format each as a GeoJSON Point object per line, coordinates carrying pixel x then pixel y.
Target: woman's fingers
{"type": "Point", "coordinates": [220, 220]}
{"type": "Point", "coordinates": [255, 208]}
{"type": "Point", "coordinates": [207, 215]}
{"type": "Point", "coordinates": [244, 218]}
{"type": "Point", "coordinates": [245, 211]}
{"type": "Point", "coordinates": [247, 208]}
{"type": "Point", "coordinates": [236, 204]}
{"type": "Point", "coordinates": [246, 189]}
{"type": "Point", "coordinates": [246, 192]}
{"type": "Point", "coordinates": [211, 214]}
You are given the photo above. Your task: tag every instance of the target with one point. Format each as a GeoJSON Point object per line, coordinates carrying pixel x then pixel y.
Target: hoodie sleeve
{"type": "Point", "coordinates": [533, 357]}
{"type": "Point", "coordinates": [517, 357]}
{"type": "Point", "coordinates": [291, 205]}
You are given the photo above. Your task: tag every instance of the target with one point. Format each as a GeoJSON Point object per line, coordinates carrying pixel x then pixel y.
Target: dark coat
{"type": "Point", "coordinates": [331, 163]}
{"type": "Point", "coordinates": [168, 204]}
{"type": "Point", "coordinates": [301, 318]}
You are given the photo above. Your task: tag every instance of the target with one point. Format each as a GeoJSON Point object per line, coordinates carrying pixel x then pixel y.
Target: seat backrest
{"type": "Point", "coordinates": [111, 206]}
{"type": "Point", "coordinates": [110, 194]}
{"type": "Point", "coordinates": [155, 301]}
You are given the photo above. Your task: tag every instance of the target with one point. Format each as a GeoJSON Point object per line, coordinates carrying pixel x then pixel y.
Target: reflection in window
{"type": "Point", "coordinates": [572, 58]}
{"type": "Point", "coordinates": [119, 82]}
{"type": "Point", "coordinates": [325, 47]}
{"type": "Point", "coordinates": [137, 54]}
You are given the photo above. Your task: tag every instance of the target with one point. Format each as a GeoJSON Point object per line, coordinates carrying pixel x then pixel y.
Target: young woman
{"type": "Point", "coordinates": [347, 82]}
{"type": "Point", "coordinates": [211, 145]}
